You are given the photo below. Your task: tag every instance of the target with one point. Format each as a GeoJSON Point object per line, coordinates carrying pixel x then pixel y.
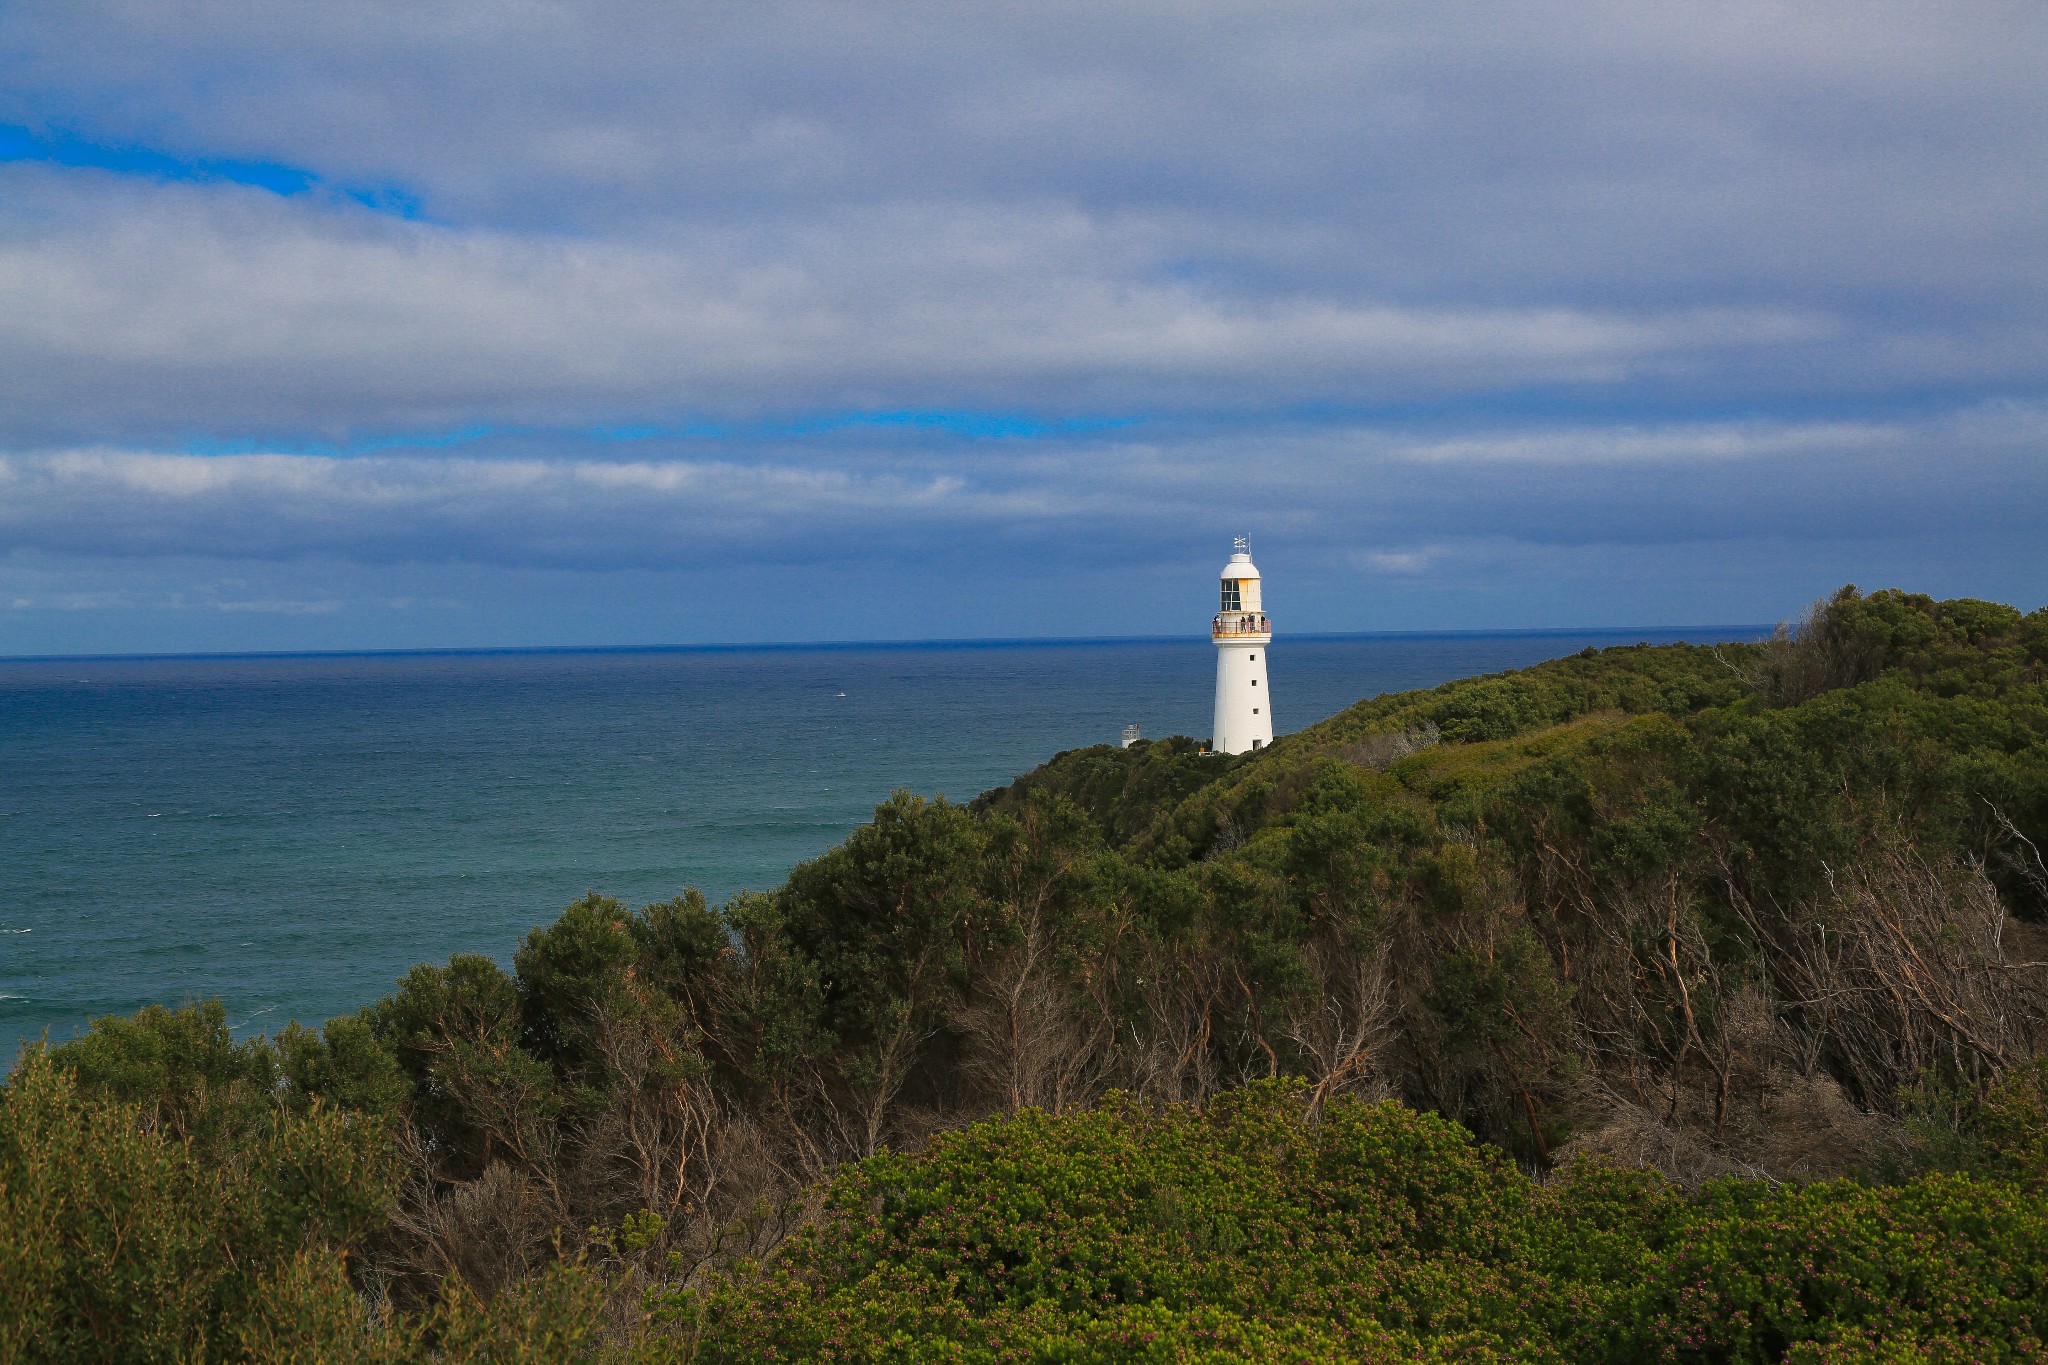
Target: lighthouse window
{"type": "Point", "coordinates": [1232, 601]}
{"type": "Point", "coordinates": [1253, 657]}
{"type": "Point", "coordinates": [1255, 710]}
{"type": "Point", "coordinates": [1255, 682]}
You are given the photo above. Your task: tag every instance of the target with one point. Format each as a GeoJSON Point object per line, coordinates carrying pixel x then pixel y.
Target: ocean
{"type": "Point", "coordinates": [290, 834]}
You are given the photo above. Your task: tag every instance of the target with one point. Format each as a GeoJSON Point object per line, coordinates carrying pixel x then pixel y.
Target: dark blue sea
{"type": "Point", "coordinates": [290, 834]}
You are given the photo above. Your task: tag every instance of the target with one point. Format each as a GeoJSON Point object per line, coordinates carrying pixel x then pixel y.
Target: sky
{"type": "Point", "coordinates": [445, 323]}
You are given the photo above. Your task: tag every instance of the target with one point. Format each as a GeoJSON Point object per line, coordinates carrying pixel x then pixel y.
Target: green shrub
{"type": "Point", "coordinates": [1261, 1228]}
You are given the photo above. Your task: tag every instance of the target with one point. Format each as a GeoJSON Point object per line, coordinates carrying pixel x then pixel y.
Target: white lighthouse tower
{"type": "Point", "coordinates": [1244, 710]}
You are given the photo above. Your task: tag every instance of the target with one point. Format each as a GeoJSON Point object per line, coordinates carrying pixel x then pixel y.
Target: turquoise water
{"type": "Point", "coordinates": [291, 834]}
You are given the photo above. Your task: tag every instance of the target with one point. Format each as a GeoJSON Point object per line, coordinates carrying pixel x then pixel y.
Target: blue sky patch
{"type": "Point", "coordinates": [974, 425]}
{"type": "Point", "coordinates": [18, 143]}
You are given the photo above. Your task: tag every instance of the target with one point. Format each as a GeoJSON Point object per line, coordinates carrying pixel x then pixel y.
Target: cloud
{"type": "Point", "coordinates": [1431, 296]}
{"type": "Point", "coordinates": [1678, 444]}
{"type": "Point", "coordinates": [71, 601]}
{"type": "Point", "coordinates": [1401, 561]}
{"type": "Point", "coordinates": [580, 513]}
{"type": "Point", "coordinates": [1385, 498]}
{"type": "Point", "coordinates": [649, 214]}
{"type": "Point", "coordinates": [179, 312]}
{"type": "Point", "coordinates": [275, 607]}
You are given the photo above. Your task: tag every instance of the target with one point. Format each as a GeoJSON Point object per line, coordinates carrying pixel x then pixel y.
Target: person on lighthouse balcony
{"type": "Point", "coordinates": [1241, 632]}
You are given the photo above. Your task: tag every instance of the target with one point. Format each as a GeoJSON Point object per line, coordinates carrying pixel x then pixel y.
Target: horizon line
{"type": "Point", "coordinates": [791, 646]}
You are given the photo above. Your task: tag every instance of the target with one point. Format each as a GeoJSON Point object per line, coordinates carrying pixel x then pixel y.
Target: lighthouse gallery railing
{"type": "Point", "coordinates": [1230, 623]}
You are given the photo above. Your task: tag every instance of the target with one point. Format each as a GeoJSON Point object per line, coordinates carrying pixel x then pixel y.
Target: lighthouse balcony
{"type": "Point", "coordinates": [1238, 625]}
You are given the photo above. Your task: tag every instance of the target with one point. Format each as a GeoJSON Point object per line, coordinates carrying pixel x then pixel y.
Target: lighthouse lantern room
{"type": "Point", "coordinates": [1241, 632]}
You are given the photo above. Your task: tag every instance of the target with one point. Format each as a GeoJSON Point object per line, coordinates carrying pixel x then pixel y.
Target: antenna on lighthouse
{"type": "Point", "coordinates": [1243, 543]}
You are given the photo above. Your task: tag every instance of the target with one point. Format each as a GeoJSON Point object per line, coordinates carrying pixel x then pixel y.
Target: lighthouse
{"type": "Point", "coordinates": [1241, 632]}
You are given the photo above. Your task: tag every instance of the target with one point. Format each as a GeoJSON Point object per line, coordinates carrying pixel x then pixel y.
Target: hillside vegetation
{"type": "Point", "coordinates": [1654, 1003]}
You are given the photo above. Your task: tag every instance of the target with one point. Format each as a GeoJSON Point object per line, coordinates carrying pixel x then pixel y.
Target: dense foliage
{"type": "Point", "coordinates": [210, 1217]}
{"type": "Point", "coordinates": [1727, 957]}
{"type": "Point", "coordinates": [1255, 1229]}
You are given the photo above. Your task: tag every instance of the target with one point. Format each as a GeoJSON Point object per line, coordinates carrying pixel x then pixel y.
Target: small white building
{"type": "Point", "coordinates": [1241, 632]}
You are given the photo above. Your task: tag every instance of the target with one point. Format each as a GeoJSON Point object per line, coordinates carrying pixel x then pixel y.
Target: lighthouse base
{"type": "Point", "coordinates": [1244, 710]}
